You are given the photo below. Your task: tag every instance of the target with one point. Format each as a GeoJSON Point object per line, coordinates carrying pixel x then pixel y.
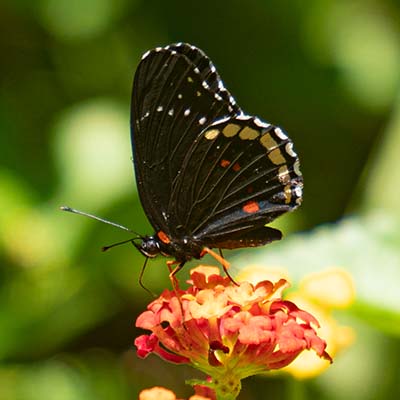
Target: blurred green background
{"type": "Point", "coordinates": [326, 71]}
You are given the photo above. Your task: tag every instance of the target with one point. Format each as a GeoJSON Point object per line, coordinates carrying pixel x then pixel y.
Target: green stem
{"type": "Point", "coordinates": [227, 387]}
{"type": "Point", "coordinates": [295, 390]}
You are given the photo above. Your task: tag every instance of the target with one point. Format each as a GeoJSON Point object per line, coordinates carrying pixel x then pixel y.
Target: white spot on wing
{"type": "Point", "coordinates": [196, 70]}
{"type": "Point", "coordinates": [221, 121]}
{"type": "Point", "coordinates": [159, 108]}
{"type": "Point", "coordinates": [280, 134]}
{"type": "Point", "coordinates": [179, 96]}
{"type": "Point", "coordinates": [187, 112]}
{"type": "Point", "coordinates": [298, 191]}
{"type": "Point", "coordinates": [217, 96]}
{"type": "Point", "coordinates": [205, 85]}
{"type": "Point", "coordinates": [260, 123]}
{"type": "Point", "coordinates": [171, 112]}
{"type": "Point", "coordinates": [202, 120]}
{"type": "Point", "coordinates": [145, 116]}
{"type": "Point", "coordinates": [243, 117]}
{"type": "Point", "coordinates": [289, 149]}
{"type": "Point", "coordinates": [145, 54]}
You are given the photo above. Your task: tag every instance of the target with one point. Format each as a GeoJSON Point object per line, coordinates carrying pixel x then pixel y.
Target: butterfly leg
{"type": "Point", "coordinates": [173, 272]}
{"type": "Point", "coordinates": [175, 282]}
{"type": "Point", "coordinates": [225, 264]}
{"type": "Point", "coordinates": [142, 273]}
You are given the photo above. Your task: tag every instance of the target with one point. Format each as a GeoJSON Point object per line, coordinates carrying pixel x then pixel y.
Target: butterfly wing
{"type": "Point", "coordinates": [239, 174]}
{"type": "Point", "coordinates": [176, 93]}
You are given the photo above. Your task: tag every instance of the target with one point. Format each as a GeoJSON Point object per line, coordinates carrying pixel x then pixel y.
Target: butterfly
{"type": "Point", "coordinates": [208, 175]}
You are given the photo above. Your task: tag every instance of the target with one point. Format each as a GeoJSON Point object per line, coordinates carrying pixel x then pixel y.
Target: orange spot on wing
{"type": "Point", "coordinates": [224, 163]}
{"type": "Point", "coordinates": [163, 237]}
{"type": "Point", "coordinates": [236, 167]}
{"type": "Point", "coordinates": [251, 207]}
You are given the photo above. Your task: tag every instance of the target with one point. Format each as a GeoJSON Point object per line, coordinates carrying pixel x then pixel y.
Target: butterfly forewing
{"type": "Point", "coordinates": [176, 93]}
{"type": "Point", "coordinates": [208, 74]}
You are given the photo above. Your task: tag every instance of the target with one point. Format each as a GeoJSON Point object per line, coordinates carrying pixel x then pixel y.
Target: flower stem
{"type": "Point", "coordinates": [295, 390]}
{"type": "Point", "coordinates": [227, 387]}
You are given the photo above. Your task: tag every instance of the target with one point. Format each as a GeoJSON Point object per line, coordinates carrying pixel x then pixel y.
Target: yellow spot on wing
{"type": "Point", "coordinates": [288, 193]}
{"type": "Point", "coordinates": [190, 79]}
{"type": "Point", "coordinates": [283, 174]}
{"type": "Point", "coordinates": [211, 134]}
{"type": "Point", "coordinates": [267, 141]}
{"type": "Point", "coordinates": [276, 157]}
{"type": "Point", "coordinates": [248, 133]}
{"type": "Point", "coordinates": [231, 130]}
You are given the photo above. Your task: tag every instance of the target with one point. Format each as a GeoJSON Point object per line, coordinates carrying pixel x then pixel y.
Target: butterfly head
{"type": "Point", "coordinates": [149, 246]}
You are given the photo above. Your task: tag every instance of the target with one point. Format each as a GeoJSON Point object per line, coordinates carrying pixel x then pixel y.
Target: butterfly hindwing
{"type": "Point", "coordinates": [239, 174]}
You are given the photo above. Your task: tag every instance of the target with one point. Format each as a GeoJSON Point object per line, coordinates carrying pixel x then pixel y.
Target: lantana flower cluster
{"type": "Point", "coordinates": [229, 331]}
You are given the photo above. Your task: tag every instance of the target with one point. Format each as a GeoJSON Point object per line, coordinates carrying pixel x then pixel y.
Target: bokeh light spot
{"type": "Point", "coordinates": [93, 152]}
{"type": "Point", "coordinates": [75, 19]}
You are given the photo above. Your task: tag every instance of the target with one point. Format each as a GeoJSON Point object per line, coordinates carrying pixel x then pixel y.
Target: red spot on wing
{"type": "Point", "coordinates": [163, 237]}
{"type": "Point", "coordinates": [225, 163]}
{"type": "Point", "coordinates": [236, 167]}
{"type": "Point", "coordinates": [251, 207]}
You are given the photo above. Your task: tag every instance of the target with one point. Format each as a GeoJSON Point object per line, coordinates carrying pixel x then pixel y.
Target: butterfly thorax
{"type": "Point", "coordinates": [182, 249]}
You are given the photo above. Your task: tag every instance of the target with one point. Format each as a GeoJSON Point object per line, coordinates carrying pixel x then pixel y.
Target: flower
{"type": "Point", "coordinates": [321, 293]}
{"type": "Point", "coordinates": [157, 393]}
{"type": "Point", "coordinates": [228, 331]}
{"type": "Point", "coordinates": [160, 393]}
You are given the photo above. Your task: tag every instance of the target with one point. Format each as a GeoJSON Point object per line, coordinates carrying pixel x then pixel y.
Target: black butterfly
{"type": "Point", "coordinates": [208, 175]}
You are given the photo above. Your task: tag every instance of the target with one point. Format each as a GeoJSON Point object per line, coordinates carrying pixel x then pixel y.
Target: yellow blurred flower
{"type": "Point", "coordinates": [319, 293]}
{"type": "Point", "coordinates": [157, 393]}
{"type": "Point", "coordinates": [160, 393]}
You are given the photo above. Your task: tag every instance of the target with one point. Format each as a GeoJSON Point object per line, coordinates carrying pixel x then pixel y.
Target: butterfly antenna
{"type": "Point", "coordinates": [74, 211]}
{"type": "Point", "coordinates": [105, 248]}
